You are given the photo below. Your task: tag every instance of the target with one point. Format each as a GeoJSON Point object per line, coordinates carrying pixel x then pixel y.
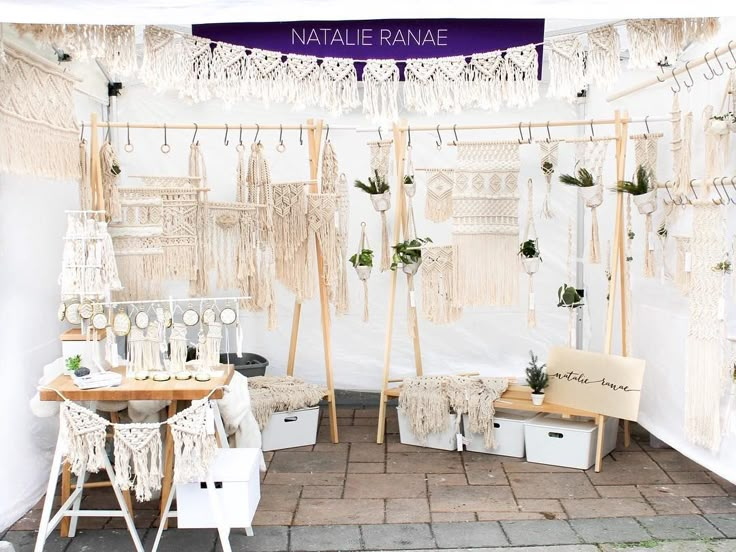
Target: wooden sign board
{"type": "Point", "coordinates": [603, 384]}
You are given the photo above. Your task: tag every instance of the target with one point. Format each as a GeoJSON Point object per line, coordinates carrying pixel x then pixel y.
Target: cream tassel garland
{"type": "Point", "coordinates": [138, 459]}
{"type": "Point", "coordinates": [194, 445]}
{"type": "Point", "coordinates": [381, 89]}
{"type": "Point", "coordinates": [83, 431]}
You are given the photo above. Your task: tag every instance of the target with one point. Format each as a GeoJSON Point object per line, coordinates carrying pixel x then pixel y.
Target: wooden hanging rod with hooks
{"type": "Point", "coordinates": [206, 126]}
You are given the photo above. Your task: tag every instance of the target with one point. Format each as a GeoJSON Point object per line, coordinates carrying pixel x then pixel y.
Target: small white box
{"type": "Point", "coordinates": [237, 485]}
{"type": "Point", "coordinates": [73, 343]}
{"type": "Point", "coordinates": [508, 429]}
{"type": "Point", "coordinates": [570, 443]}
{"type": "Point", "coordinates": [291, 429]}
{"type": "Point", "coordinates": [445, 440]}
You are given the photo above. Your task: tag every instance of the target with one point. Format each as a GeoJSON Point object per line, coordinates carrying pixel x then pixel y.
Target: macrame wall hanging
{"type": "Point", "coordinates": [321, 210]}
{"type": "Point", "coordinates": [199, 285]}
{"type": "Point", "coordinates": [339, 85]}
{"type": "Point", "coordinates": [37, 123]}
{"type": "Point", "coordinates": [381, 89]}
{"type": "Point", "coordinates": [266, 75]}
{"type": "Point", "coordinates": [439, 281]}
{"type": "Point", "coordinates": [229, 68]}
{"type": "Point", "coordinates": [485, 226]}
{"type": "Point", "coordinates": [362, 267]}
{"type": "Point", "coordinates": [380, 161]}
{"type": "Point", "coordinates": [110, 165]}
{"type": "Point", "coordinates": [290, 236]}
{"type": "Point", "coordinates": [438, 202]}
{"type": "Point", "coordinates": [530, 263]}
{"type": "Point", "coordinates": [435, 84]}
{"type": "Point", "coordinates": [138, 459]}
{"type": "Point", "coordinates": [567, 68]}
{"type": "Point", "coordinates": [704, 376]}
{"type": "Point", "coordinates": [194, 443]}
{"type": "Point", "coordinates": [302, 85]}
{"type": "Point", "coordinates": [645, 155]}
{"type": "Point", "coordinates": [683, 263]}
{"type": "Point", "coordinates": [603, 62]}
{"type": "Point", "coordinates": [162, 66]}
{"type": "Point", "coordinates": [232, 251]}
{"type": "Point", "coordinates": [591, 154]}
{"type": "Point", "coordinates": [548, 152]}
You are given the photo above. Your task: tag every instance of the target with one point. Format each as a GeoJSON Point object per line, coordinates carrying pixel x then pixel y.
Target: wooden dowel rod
{"type": "Point", "coordinates": [667, 75]}
{"type": "Point", "coordinates": [234, 127]}
{"type": "Point", "coordinates": [718, 180]}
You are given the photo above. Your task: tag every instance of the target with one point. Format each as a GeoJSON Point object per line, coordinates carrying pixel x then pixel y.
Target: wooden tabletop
{"type": "Point", "coordinates": [137, 390]}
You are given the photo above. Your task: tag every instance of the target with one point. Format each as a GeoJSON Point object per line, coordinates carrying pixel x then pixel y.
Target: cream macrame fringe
{"type": "Point", "coordinates": [138, 459]}
{"type": "Point", "coordinates": [363, 272]}
{"type": "Point", "coordinates": [439, 283]}
{"type": "Point", "coordinates": [438, 203]}
{"type": "Point", "coordinates": [650, 40]}
{"type": "Point", "coordinates": [163, 62]}
{"type": "Point", "coordinates": [603, 63]}
{"type": "Point", "coordinates": [334, 182]}
{"type": "Point", "coordinates": [567, 69]}
{"type": "Point", "coordinates": [381, 89]}
{"type": "Point", "coordinates": [435, 84]}
{"type": "Point", "coordinates": [301, 81]}
{"type": "Point", "coordinates": [110, 165]}
{"type": "Point", "coordinates": [84, 434]}
{"type": "Point", "coordinates": [194, 445]}
{"type": "Point", "coordinates": [289, 233]}
{"type": "Point", "coordinates": [522, 68]}
{"type": "Point", "coordinates": [269, 394]}
{"type": "Point", "coordinates": [486, 76]}
{"type": "Point", "coordinates": [339, 85]}
{"type": "Point", "coordinates": [683, 263]}
{"type": "Point", "coordinates": [231, 250]}
{"type": "Point", "coordinates": [178, 347]}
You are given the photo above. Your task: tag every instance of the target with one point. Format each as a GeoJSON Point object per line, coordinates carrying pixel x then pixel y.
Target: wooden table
{"type": "Point", "coordinates": [138, 390]}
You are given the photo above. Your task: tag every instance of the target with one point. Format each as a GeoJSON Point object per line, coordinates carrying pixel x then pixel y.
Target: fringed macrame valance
{"type": "Point", "coordinates": [566, 67]}
{"type": "Point", "coordinates": [38, 131]}
{"type": "Point", "coordinates": [194, 444]}
{"type": "Point", "coordinates": [138, 463]}
{"type": "Point", "coordinates": [84, 435]}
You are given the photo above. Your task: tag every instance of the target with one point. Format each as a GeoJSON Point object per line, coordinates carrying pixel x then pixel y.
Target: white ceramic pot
{"type": "Point", "coordinates": [537, 399]}
{"type": "Point", "coordinates": [719, 127]}
{"type": "Point", "coordinates": [411, 268]}
{"type": "Point", "coordinates": [364, 272]}
{"type": "Point", "coordinates": [646, 203]}
{"type": "Point", "coordinates": [732, 126]}
{"type": "Point", "coordinates": [410, 190]}
{"type": "Point", "coordinates": [530, 264]}
{"type": "Point", "coordinates": [381, 202]}
{"type": "Point", "coordinates": [593, 195]}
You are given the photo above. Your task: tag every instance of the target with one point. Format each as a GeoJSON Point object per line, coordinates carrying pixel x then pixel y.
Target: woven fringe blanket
{"type": "Point", "coordinates": [38, 131]}
{"type": "Point", "coordinates": [485, 223]}
{"type": "Point", "coordinates": [269, 394]}
{"type": "Point", "coordinates": [427, 400]}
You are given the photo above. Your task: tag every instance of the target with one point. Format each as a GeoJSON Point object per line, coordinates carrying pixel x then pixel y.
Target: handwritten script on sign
{"type": "Point", "coordinates": [604, 384]}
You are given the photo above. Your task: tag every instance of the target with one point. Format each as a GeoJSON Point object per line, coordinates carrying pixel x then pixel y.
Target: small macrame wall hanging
{"type": "Point", "coordinates": [548, 153]}
{"type": "Point", "coordinates": [485, 225]}
{"type": "Point", "coordinates": [439, 282]}
{"type": "Point", "coordinates": [232, 250]}
{"type": "Point", "coordinates": [530, 256]}
{"type": "Point", "coordinates": [199, 285]}
{"type": "Point", "coordinates": [85, 188]}
{"type": "Point", "coordinates": [645, 155]}
{"type": "Point", "coordinates": [290, 236]}
{"type": "Point", "coordinates": [683, 263]}
{"type": "Point", "coordinates": [362, 261]}
{"type": "Point", "coordinates": [321, 210]}
{"type": "Point", "coordinates": [381, 89]}
{"type": "Point", "coordinates": [603, 61]}
{"type": "Point", "coordinates": [567, 68]}
{"type": "Point", "coordinates": [438, 202]}
{"type": "Point", "coordinates": [379, 191]}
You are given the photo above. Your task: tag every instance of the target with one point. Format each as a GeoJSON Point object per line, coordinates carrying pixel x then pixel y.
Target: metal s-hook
{"type": "Point", "coordinates": [730, 51]}
{"type": "Point", "coordinates": [667, 187]}
{"type": "Point", "coordinates": [712, 73]}
{"type": "Point", "coordinates": [693, 190]}
{"type": "Point", "coordinates": [592, 131]}
{"type": "Point", "coordinates": [454, 131]}
{"type": "Point", "coordinates": [661, 68]}
{"type": "Point", "coordinates": [720, 65]}
{"type": "Point", "coordinates": [679, 86]}
{"type": "Point", "coordinates": [646, 124]}
{"type": "Point", "coordinates": [81, 134]}
{"type": "Point", "coordinates": [165, 147]}
{"type": "Point", "coordinates": [301, 136]}
{"type": "Point", "coordinates": [380, 136]}
{"type": "Point", "coordinates": [240, 146]}
{"type": "Point", "coordinates": [281, 147]}
{"type": "Point", "coordinates": [549, 136]}
{"type": "Point", "coordinates": [521, 134]}
{"type": "Point", "coordinates": [408, 136]}
{"type": "Point", "coordinates": [689, 74]}
{"type": "Point", "coordinates": [194, 138]}
{"type": "Point", "coordinates": [226, 141]}
{"type": "Point", "coordinates": [107, 132]}
{"type": "Point", "coordinates": [730, 200]}
{"type": "Point", "coordinates": [258, 130]}
{"type": "Point", "coordinates": [128, 146]}
{"type": "Point", "coordinates": [438, 143]}
{"type": "Point", "coordinates": [529, 129]}
{"type": "Point", "coordinates": [718, 201]}
{"type": "Point", "coordinates": [327, 133]}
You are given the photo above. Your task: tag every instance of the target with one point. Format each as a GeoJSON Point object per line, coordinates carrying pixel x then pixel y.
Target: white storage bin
{"type": "Point", "coordinates": [291, 429]}
{"type": "Point", "coordinates": [508, 428]}
{"type": "Point", "coordinates": [570, 443]}
{"type": "Point", "coordinates": [73, 343]}
{"type": "Point", "coordinates": [446, 440]}
{"type": "Point", "coordinates": [238, 488]}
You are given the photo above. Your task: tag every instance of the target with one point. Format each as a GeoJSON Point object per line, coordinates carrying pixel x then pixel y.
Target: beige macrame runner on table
{"type": "Point", "coordinates": [269, 394]}
{"type": "Point", "coordinates": [591, 154]}
{"type": "Point", "coordinates": [548, 152]}
{"type": "Point", "coordinates": [531, 265]}
{"type": "Point", "coordinates": [138, 462]}
{"type": "Point", "coordinates": [567, 68]}
{"type": "Point", "coordinates": [485, 224]}
{"type": "Point", "coordinates": [380, 160]}
{"type": "Point", "coordinates": [438, 202]}
{"type": "Point", "coordinates": [37, 124]}
{"type": "Point", "coordinates": [645, 155]}
{"type": "Point", "coordinates": [439, 281]}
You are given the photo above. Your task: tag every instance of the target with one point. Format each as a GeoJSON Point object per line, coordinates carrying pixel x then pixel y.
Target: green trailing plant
{"type": "Point", "coordinates": [728, 117]}
{"type": "Point", "coordinates": [640, 185]}
{"type": "Point", "coordinates": [724, 266]}
{"type": "Point", "coordinates": [536, 376]}
{"type": "Point", "coordinates": [408, 252]}
{"type": "Point", "coordinates": [376, 184]}
{"type": "Point", "coordinates": [364, 258]}
{"type": "Point", "coordinates": [568, 296]}
{"type": "Point", "coordinates": [529, 250]}
{"type": "Point", "coordinates": [631, 234]}
{"type": "Point", "coordinates": [583, 179]}
{"type": "Point", "coordinates": [73, 363]}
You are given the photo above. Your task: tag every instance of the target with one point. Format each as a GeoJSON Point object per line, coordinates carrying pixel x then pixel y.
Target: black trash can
{"type": "Point", "coordinates": [249, 365]}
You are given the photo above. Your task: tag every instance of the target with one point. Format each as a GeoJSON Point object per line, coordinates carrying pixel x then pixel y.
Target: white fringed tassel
{"type": "Point", "coordinates": [338, 85]}
{"type": "Point", "coordinates": [151, 351]}
{"type": "Point", "coordinates": [138, 459]}
{"type": "Point", "coordinates": [194, 446]}
{"type": "Point", "coordinates": [365, 301]}
{"type": "Point", "coordinates": [486, 77]}
{"type": "Point", "coordinates": [381, 89]}
{"type": "Point", "coordinates": [163, 65]}
{"type": "Point", "coordinates": [212, 346]}
{"type": "Point", "coordinates": [84, 434]}
{"type": "Point", "coordinates": [566, 68]}
{"type": "Point", "coordinates": [531, 317]}
{"type": "Point", "coordinates": [521, 83]}
{"type": "Point", "coordinates": [136, 352]}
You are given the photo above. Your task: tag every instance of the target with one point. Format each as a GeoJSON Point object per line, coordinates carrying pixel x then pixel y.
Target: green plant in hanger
{"type": "Point", "coordinates": [536, 376]}
{"type": "Point", "coordinates": [408, 252]}
{"type": "Point", "coordinates": [729, 117]}
{"type": "Point", "coordinates": [631, 234]}
{"type": "Point", "coordinates": [724, 266]}
{"type": "Point", "coordinates": [662, 231]}
{"type": "Point", "coordinates": [639, 186]}
{"type": "Point", "coordinates": [583, 180]}
{"type": "Point", "coordinates": [548, 168]}
{"type": "Point", "coordinates": [568, 296]}
{"type": "Point", "coordinates": [529, 250]}
{"type": "Point", "coordinates": [375, 186]}
{"type": "Point", "coordinates": [408, 180]}
{"type": "Point", "coordinates": [365, 258]}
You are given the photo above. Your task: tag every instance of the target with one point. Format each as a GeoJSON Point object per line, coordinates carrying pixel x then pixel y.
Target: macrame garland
{"type": "Point", "coordinates": [110, 165]}
{"type": "Point", "coordinates": [645, 155]}
{"type": "Point", "coordinates": [380, 160]}
{"type": "Point", "coordinates": [84, 436]}
{"type": "Point", "coordinates": [194, 444]}
{"type": "Point", "coordinates": [138, 459]}
{"type": "Point", "coordinates": [266, 76]}
{"type": "Point", "coordinates": [591, 154]}
{"type": "Point", "coordinates": [302, 85]}
{"type": "Point", "coordinates": [228, 73]}
{"type": "Point", "coordinates": [567, 70]}
{"type": "Point", "coordinates": [197, 59]}
{"type": "Point", "coordinates": [646, 46]}
{"type": "Point", "coordinates": [438, 203]}
{"type": "Point", "coordinates": [163, 65]}
{"type": "Point", "coordinates": [548, 150]}
{"type": "Point", "coordinates": [381, 89]}
{"type": "Point", "coordinates": [531, 264]}
{"type": "Point", "coordinates": [363, 271]}
{"type": "Point", "coordinates": [485, 225]}
{"type": "Point", "coordinates": [439, 284]}
{"type": "Point", "coordinates": [435, 84]}
{"type": "Point", "coordinates": [339, 85]}
{"type": "Point", "coordinates": [522, 68]}
{"type": "Point", "coordinates": [603, 63]}
{"type": "Point", "coordinates": [706, 331]}
{"type": "Point", "coordinates": [486, 76]}
{"type": "Point", "coordinates": [121, 56]}
{"type": "Point", "coordinates": [269, 394]}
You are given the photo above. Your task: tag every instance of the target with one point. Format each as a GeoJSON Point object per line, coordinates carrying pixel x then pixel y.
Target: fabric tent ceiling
{"type": "Point", "coordinates": [213, 11]}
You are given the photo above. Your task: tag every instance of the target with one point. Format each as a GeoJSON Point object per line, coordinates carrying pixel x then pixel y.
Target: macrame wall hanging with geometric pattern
{"type": "Point", "coordinates": [438, 202]}
{"type": "Point", "coordinates": [439, 282]}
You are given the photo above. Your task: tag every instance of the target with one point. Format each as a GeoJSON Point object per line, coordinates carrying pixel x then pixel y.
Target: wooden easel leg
{"type": "Point", "coordinates": [48, 502]}
{"type": "Point", "coordinates": [168, 467]}
{"type": "Point", "coordinates": [381, 418]}
{"type": "Point", "coordinates": [627, 434]}
{"type": "Point", "coordinates": [66, 491]}
{"type": "Point", "coordinates": [599, 442]}
{"type": "Point", "coordinates": [295, 319]}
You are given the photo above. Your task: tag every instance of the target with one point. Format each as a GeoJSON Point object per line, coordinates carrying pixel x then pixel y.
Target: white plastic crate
{"type": "Point", "coordinates": [508, 428]}
{"type": "Point", "coordinates": [446, 440]}
{"type": "Point", "coordinates": [570, 443]}
{"type": "Point", "coordinates": [237, 485]}
{"type": "Point", "coordinates": [291, 429]}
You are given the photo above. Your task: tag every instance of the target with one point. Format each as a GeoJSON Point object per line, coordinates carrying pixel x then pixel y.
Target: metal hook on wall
{"type": "Point", "coordinates": [194, 138]}
{"type": "Point", "coordinates": [165, 147]}
{"type": "Point", "coordinates": [227, 130]}
{"type": "Point", "coordinates": [240, 146]}
{"type": "Point", "coordinates": [689, 74]}
{"type": "Point", "coordinates": [107, 133]}
{"type": "Point", "coordinates": [281, 147]}
{"type": "Point", "coordinates": [521, 134]}
{"type": "Point", "coordinates": [301, 136]}
{"type": "Point", "coordinates": [730, 51]}
{"type": "Point", "coordinates": [408, 136]}
{"type": "Point", "coordinates": [128, 146]}
{"type": "Point", "coordinates": [438, 143]}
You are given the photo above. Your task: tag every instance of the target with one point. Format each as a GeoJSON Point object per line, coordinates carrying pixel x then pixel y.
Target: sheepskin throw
{"type": "Point", "coordinates": [269, 394]}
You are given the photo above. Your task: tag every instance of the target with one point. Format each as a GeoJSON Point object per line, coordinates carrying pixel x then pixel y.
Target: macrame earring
{"type": "Point", "coordinates": [362, 261]}
{"type": "Point", "coordinates": [110, 165]}
{"type": "Point", "coordinates": [380, 192]}
{"type": "Point", "coordinates": [439, 279]}
{"type": "Point", "coordinates": [138, 458]}
{"type": "Point", "coordinates": [548, 151]}
{"type": "Point", "coordinates": [438, 204]}
{"type": "Point", "coordinates": [529, 252]}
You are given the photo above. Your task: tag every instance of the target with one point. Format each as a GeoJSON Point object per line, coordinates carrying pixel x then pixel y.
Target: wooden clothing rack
{"type": "Point", "coordinates": [313, 130]}
{"type": "Point", "coordinates": [517, 395]}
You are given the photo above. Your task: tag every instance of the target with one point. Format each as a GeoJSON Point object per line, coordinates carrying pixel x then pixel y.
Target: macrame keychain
{"type": "Point", "coordinates": [645, 155]}
{"type": "Point", "coordinates": [380, 156]}
{"type": "Point", "coordinates": [363, 263]}
{"type": "Point", "coordinates": [529, 251]}
{"type": "Point", "coordinates": [548, 150]}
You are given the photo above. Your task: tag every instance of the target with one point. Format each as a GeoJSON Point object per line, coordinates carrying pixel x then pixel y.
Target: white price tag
{"type": "Point", "coordinates": [459, 438]}
{"type": "Point", "coordinates": [651, 241]}
{"type": "Point", "coordinates": [721, 309]}
{"type": "Point", "coordinates": [688, 262]}
{"type": "Point", "coordinates": [209, 420]}
{"type": "Point", "coordinates": [531, 301]}
{"type": "Point", "coordinates": [412, 300]}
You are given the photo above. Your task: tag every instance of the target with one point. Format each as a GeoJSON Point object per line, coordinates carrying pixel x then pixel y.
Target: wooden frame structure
{"type": "Point", "coordinates": [517, 396]}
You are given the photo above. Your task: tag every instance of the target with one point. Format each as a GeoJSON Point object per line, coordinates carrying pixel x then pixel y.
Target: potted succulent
{"type": "Point", "coordinates": [363, 263]}
{"type": "Point", "coordinates": [529, 253]}
{"type": "Point", "coordinates": [408, 254]}
{"type": "Point", "coordinates": [568, 296]}
{"type": "Point", "coordinates": [74, 366]}
{"type": "Point", "coordinates": [645, 197]}
{"type": "Point", "coordinates": [378, 189]}
{"type": "Point", "coordinates": [536, 378]}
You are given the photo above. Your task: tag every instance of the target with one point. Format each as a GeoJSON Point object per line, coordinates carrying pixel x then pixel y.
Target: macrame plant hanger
{"type": "Point", "coordinates": [380, 162]}
{"type": "Point", "coordinates": [409, 187]}
{"type": "Point", "coordinates": [645, 155]}
{"type": "Point", "coordinates": [548, 152]}
{"type": "Point", "coordinates": [363, 271]}
{"type": "Point", "coordinates": [531, 264]}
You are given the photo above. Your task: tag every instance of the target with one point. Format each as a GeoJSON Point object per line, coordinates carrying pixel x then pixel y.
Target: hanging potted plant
{"type": "Point", "coordinates": [529, 253]}
{"type": "Point", "coordinates": [536, 378]}
{"type": "Point", "coordinates": [378, 189]}
{"type": "Point", "coordinates": [592, 194]}
{"type": "Point", "coordinates": [408, 254]}
{"type": "Point", "coordinates": [363, 263]}
{"type": "Point", "coordinates": [410, 186]}
{"type": "Point", "coordinates": [644, 195]}
{"type": "Point", "coordinates": [724, 267]}
{"type": "Point", "coordinates": [723, 124]}
{"type": "Point", "coordinates": [568, 296]}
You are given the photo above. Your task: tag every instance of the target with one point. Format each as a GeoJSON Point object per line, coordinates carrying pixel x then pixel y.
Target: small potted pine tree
{"type": "Point", "coordinates": [363, 263]}
{"type": "Point", "coordinates": [408, 254]}
{"type": "Point", "coordinates": [536, 378]}
{"type": "Point", "coordinates": [529, 253]}
{"type": "Point", "coordinates": [378, 190]}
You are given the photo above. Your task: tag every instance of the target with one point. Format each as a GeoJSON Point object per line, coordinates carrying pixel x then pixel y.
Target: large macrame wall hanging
{"type": "Point", "coordinates": [591, 154]}
{"type": "Point", "coordinates": [603, 62]}
{"type": "Point", "coordinates": [37, 124]}
{"type": "Point", "coordinates": [485, 225]}
{"type": "Point", "coordinates": [705, 377]}
{"type": "Point", "coordinates": [567, 68]}
{"type": "Point", "coordinates": [645, 155]}
{"type": "Point", "coordinates": [548, 152]}
{"type": "Point", "coordinates": [380, 161]}
{"type": "Point", "coordinates": [232, 250]}
{"type": "Point", "coordinates": [381, 89]}
{"type": "Point", "coordinates": [531, 264]}
{"type": "Point", "coordinates": [439, 284]}
{"type": "Point", "coordinates": [438, 202]}
{"type": "Point", "coordinates": [290, 236]}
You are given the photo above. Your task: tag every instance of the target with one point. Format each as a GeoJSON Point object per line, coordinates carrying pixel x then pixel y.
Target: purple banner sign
{"type": "Point", "coordinates": [380, 38]}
